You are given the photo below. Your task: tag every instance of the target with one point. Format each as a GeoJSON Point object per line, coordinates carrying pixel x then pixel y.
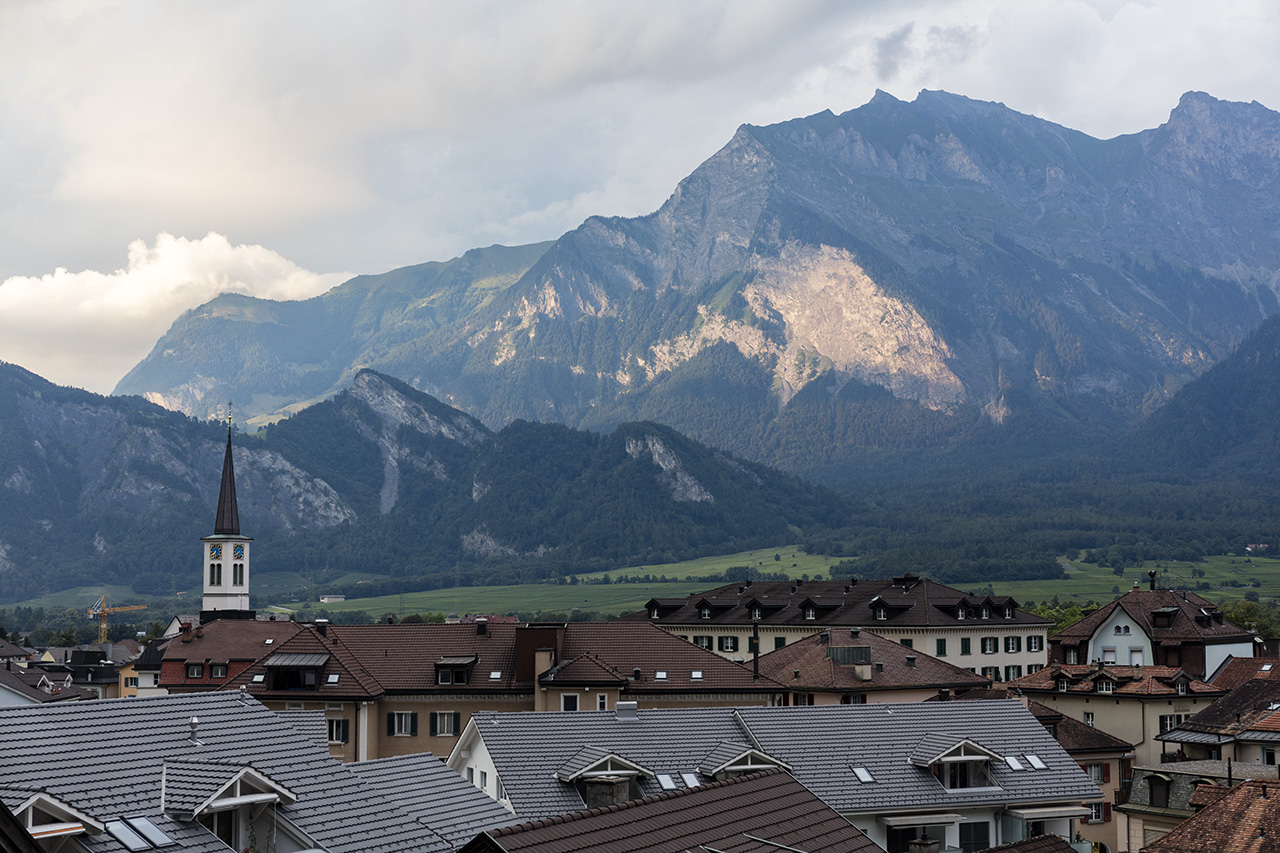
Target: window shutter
{"type": "Point", "coordinates": [457, 722]}
{"type": "Point", "coordinates": [1106, 812]}
{"type": "Point", "coordinates": [1106, 771]}
{"type": "Point", "coordinates": [413, 724]}
{"type": "Point", "coordinates": [346, 731]}
{"type": "Point", "coordinates": [391, 724]}
{"type": "Point", "coordinates": [435, 725]}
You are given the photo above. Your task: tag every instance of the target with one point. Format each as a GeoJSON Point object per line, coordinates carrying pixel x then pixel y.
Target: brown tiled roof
{"type": "Point", "coordinates": [757, 813]}
{"type": "Point", "coordinates": [1189, 623]}
{"type": "Point", "coordinates": [353, 679]}
{"type": "Point", "coordinates": [1246, 705]}
{"type": "Point", "coordinates": [1270, 724]}
{"type": "Point", "coordinates": [231, 640]}
{"type": "Point", "coordinates": [1239, 670]}
{"type": "Point", "coordinates": [9, 650]}
{"type": "Point", "coordinates": [819, 673]}
{"type": "Point", "coordinates": [912, 602]}
{"type": "Point", "coordinates": [1039, 844]}
{"type": "Point", "coordinates": [1245, 820]}
{"type": "Point", "coordinates": [1129, 680]}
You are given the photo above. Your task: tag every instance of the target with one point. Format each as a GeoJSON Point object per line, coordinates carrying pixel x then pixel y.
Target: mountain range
{"type": "Point", "coordinates": [835, 295]}
{"type": "Point", "coordinates": [381, 479]}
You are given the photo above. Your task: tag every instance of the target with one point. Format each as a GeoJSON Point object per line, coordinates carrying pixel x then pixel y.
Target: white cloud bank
{"type": "Point", "coordinates": [89, 328]}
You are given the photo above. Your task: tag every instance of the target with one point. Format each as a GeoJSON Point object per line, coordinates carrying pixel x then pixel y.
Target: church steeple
{"type": "Point", "coordinates": [228, 522]}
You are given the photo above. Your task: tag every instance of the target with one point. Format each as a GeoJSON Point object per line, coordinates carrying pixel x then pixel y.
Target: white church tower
{"type": "Point", "coordinates": [225, 555]}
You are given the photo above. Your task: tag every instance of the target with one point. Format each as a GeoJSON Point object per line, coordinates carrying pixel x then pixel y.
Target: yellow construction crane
{"type": "Point", "coordinates": [100, 610]}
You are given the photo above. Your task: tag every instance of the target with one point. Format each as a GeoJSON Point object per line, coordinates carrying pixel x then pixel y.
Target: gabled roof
{"type": "Point", "coordinates": [912, 602]}
{"type": "Point", "coordinates": [733, 755]}
{"type": "Point", "coordinates": [1194, 619]}
{"type": "Point", "coordinates": [590, 758]}
{"type": "Point", "coordinates": [1134, 681]}
{"type": "Point", "coordinates": [1229, 716]}
{"type": "Point", "coordinates": [935, 747]}
{"type": "Point", "coordinates": [37, 686]}
{"type": "Point", "coordinates": [110, 756]}
{"type": "Point", "coordinates": [1244, 820]}
{"type": "Point", "coordinates": [893, 666]}
{"type": "Point", "coordinates": [1236, 671]}
{"type": "Point", "coordinates": [758, 813]}
{"type": "Point", "coordinates": [423, 786]}
{"type": "Point", "coordinates": [190, 788]}
{"type": "Point", "coordinates": [583, 670]}
{"type": "Point", "coordinates": [226, 640]}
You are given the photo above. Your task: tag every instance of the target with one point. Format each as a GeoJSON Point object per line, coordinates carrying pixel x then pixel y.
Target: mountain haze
{"type": "Point", "coordinates": [940, 273]}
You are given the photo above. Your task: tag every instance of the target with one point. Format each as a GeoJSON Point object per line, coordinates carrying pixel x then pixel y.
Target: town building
{"type": "Point", "coordinates": [850, 666]}
{"type": "Point", "coordinates": [32, 686]}
{"type": "Point", "coordinates": [1161, 627]}
{"type": "Point", "coordinates": [1133, 703]}
{"type": "Point", "coordinates": [989, 635]}
{"type": "Point", "coordinates": [1229, 728]}
{"type": "Point", "coordinates": [393, 689]}
{"type": "Point", "coordinates": [965, 774]}
{"type": "Point", "coordinates": [768, 811]}
{"type": "Point", "coordinates": [207, 772]}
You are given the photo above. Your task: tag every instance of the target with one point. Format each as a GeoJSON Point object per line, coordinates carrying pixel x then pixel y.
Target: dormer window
{"type": "Point", "coordinates": [704, 612]}
{"type": "Point", "coordinates": [755, 614]}
{"type": "Point", "coordinates": [986, 612]}
{"type": "Point", "coordinates": [1008, 611]}
{"type": "Point", "coordinates": [1181, 688]}
{"type": "Point", "coordinates": [960, 613]}
{"type": "Point", "coordinates": [1063, 685]}
{"type": "Point", "coordinates": [811, 613]}
{"type": "Point", "coordinates": [881, 613]}
{"type": "Point", "coordinates": [653, 614]}
{"type": "Point", "coordinates": [1106, 685]}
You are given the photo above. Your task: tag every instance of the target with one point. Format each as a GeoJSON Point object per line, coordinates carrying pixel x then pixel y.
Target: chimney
{"type": "Point", "coordinates": [625, 710]}
{"type": "Point", "coordinates": [1151, 575]}
{"type": "Point", "coordinates": [186, 632]}
{"type": "Point", "coordinates": [391, 619]}
{"type": "Point", "coordinates": [853, 632]}
{"type": "Point", "coordinates": [199, 631]}
{"type": "Point", "coordinates": [482, 627]}
{"type": "Point", "coordinates": [795, 673]}
{"type": "Point", "coordinates": [195, 724]}
{"type": "Point", "coordinates": [635, 674]}
{"type": "Point", "coordinates": [322, 625]}
{"type": "Point", "coordinates": [879, 666]}
{"type": "Point", "coordinates": [944, 694]}
{"type": "Point", "coordinates": [911, 661]}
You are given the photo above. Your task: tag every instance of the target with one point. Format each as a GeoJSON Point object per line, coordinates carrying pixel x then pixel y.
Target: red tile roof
{"type": "Point", "coordinates": [1239, 670]}
{"type": "Point", "coordinates": [1128, 680]}
{"type": "Point", "coordinates": [1244, 820]}
{"type": "Point", "coordinates": [1193, 618]}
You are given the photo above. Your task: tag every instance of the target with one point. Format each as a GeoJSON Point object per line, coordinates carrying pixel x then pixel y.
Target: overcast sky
{"type": "Point", "coordinates": [155, 154]}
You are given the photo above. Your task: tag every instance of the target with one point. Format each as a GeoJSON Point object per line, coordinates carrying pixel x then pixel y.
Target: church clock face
{"type": "Point", "coordinates": [215, 552]}
{"type": "Point", "coordinates": [238, 551]}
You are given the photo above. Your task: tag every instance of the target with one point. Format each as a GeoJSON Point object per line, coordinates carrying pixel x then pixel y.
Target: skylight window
{"type": "Point", "coordinates": [661, 675]}
{"type": "Point", "coordinates": [121, 832]}
{"type": "Point", "coordinates": [1266, 667]}
{"type": "Point", "coordinates": [495, 674]}
{"type": "Point", "coordinates": [697, 673]}
{"type": "Point", "coordinates": [1014, 763]}
{"type": "Point", "coordinates": [690, 780]}
{"type": "Point", "coordinates": [268, 641]}
{"type": "Point", "coordinates": [863, 774]}
{"type": "Point", "coordinates": [1035, 762]}
{"type": "Point", "coordinates": [259, 678]}
{"type": "Point", "coordinates": [667, 783]}
{"type": "Point", "coordinates": [148, 830]}
{"type": "Point", "coordinates": [138, 833]}
{"type": "Point", "coordinates": [332, 678]}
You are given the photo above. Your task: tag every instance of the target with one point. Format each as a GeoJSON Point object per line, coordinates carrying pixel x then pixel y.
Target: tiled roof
{"type": "Point", "coordinates": [912, 602]}
{"type": "Point", "coordinates": [185, 786]}
{"type": "Point", "coordinates": [1245, 820]}
{"type": "Point", "coordinates": [1237, 671]}
{"type": "Point", "coordinates": [757, 813]}
{"type": "Point", "coordinates": [1039, 844]}
{"type": "Point", "coordinates": [108, 758]}
{"type": "Point", "coordinates": [584, 669]}
{"type": "Point", "coordinates": [424, 787]}
{"type": "Point", "coordinates": [1189, 622]}
{"type": "Point", "coordinates": [1245, 706]}
{"type": "Point", "coordinates": [231, 640]}
{"type": "Point", "coordinates": [9, 651]}
{"type": "Point", "coordinates": [821, 742]}
{"type": "Point", "coordinates": [26, 683]}
{"type": "Point", "coordinates": [890, 668]}
{"type": "Point", "coordinates": [1128, 680]}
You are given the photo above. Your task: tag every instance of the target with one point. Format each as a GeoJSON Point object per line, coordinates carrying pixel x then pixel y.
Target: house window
{"type": "Point", "coordinates": [602, 701]}
{"type": "Point", "coordinates": [990, 645]}
{"type": "Point", "coordinates": [1012, 645]}
{"type": "Point", "coordinates": [1063, 685]}
{"type": "Point", "coordinates": [471, 775]}
{"type": "Point", "coordinates": [568, 702]}
{"type": "Point", "coordinates": [1008, 611]}
{"type": "Point", "coordinates": [1011, 672]}
{"type": "Point", "coordinates": [1268, 755]}
{"type": "Point", "coordinates": [1106, 685]}
{"type": "Point", "coordinates": [986, 612]}
{"type": "Point", "coordinates": [444, 676]}
{"type": "Point", "coordinates": [1159, 788]}
{"type": "Point", "coordinates": [702, 640]}
{"type": "Point", "coordinates": [881, 614]}
{"type": "Point", "coordinates": [217, 670]}
{"type": "Point", "coordinates": [966, 646]}
{"type": "Point", "coordinates": [446, 723]}
{"type": "Point", "coordinates": [1095, 772]}
{"type": "Point", "coordinates": [704, 612]}
{"type": "Point", "coordinates": [237, 574]}
{"type": "Point", "coordinates": [339, 731]}
{"type": "Point", "coordinates": [727, 644]}
{"type": "Point", "coordinates": [402, 724]}
{"type": "Point", "coordinates": [960, 613]}
{"type": "Point", "coordinates": [1135, 656]}
{"type": "Point", "coordinates": [1088, 719]}
{"type": "Point", "coordinates": [940, 647]}
{"type": "Point", "coordinates": [1035, 643]}
{"type": "Point", "coordinates": [1034, 667]}
{"type": "Point", "coordinates": [755, 614]}
{"type": "Point", "coordinates": [779, 642]}
{"type": "Point", "coordinates": [195, 670]}
{"type": "Point", "coordinates": [1108, 654]}
{"type": "Point", "coordinates": [1071, 654]}
{"type": "Point", "coordinates": [992, 672]}
{"type": "Point", "coordinates": [975, 836]}
{"type": "Point", "coordinates": [215, 574]}
{"type": "Point", "coordinates": [1181, 688]}
{"type": "Point", "coordinates": [909, 643]}
{"type": "Point", "coordinates": [131, 681]}
{"type": "Point", "coordinates": [810, 613]}
{"type": "Point", "coordinates": [484, 781]}
{"type": "Point", "coordinates": [960, 774]}
{"type": "Point", "coordinates": [501, 792]}
{"type": "Point", "coordinates": [1097, 812]}
{"type": "Point", "coordinates": [653, 614]}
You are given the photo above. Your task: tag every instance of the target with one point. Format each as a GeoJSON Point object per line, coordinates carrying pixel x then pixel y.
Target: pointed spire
{"type": "Point", "coordinates": [228, 514]}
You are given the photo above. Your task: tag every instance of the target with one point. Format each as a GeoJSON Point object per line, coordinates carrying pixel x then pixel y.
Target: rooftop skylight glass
{"type": "Point", "coordinates": [667, 783]}
{"type": "Point", "coordinates": [690, 780]}
{"type": "Point", "coordinates": [863, 774]}
{"type": "Point", "coordinates": [1034, 761]}
{"type": "Point", "coordinates": [1014, 763]}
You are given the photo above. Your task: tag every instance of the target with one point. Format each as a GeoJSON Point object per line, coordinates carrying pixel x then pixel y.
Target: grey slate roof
{"type": "Point", "coordinates": [426, 789]}
{"type": "Point", "coordinates": [821, 742]}
{"type": "Point", "coordinates": [187, 785]}
{"type": "Point", "coordinates": [106, 758]}
{"type": "Point", "coordinates": [818, 743]}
